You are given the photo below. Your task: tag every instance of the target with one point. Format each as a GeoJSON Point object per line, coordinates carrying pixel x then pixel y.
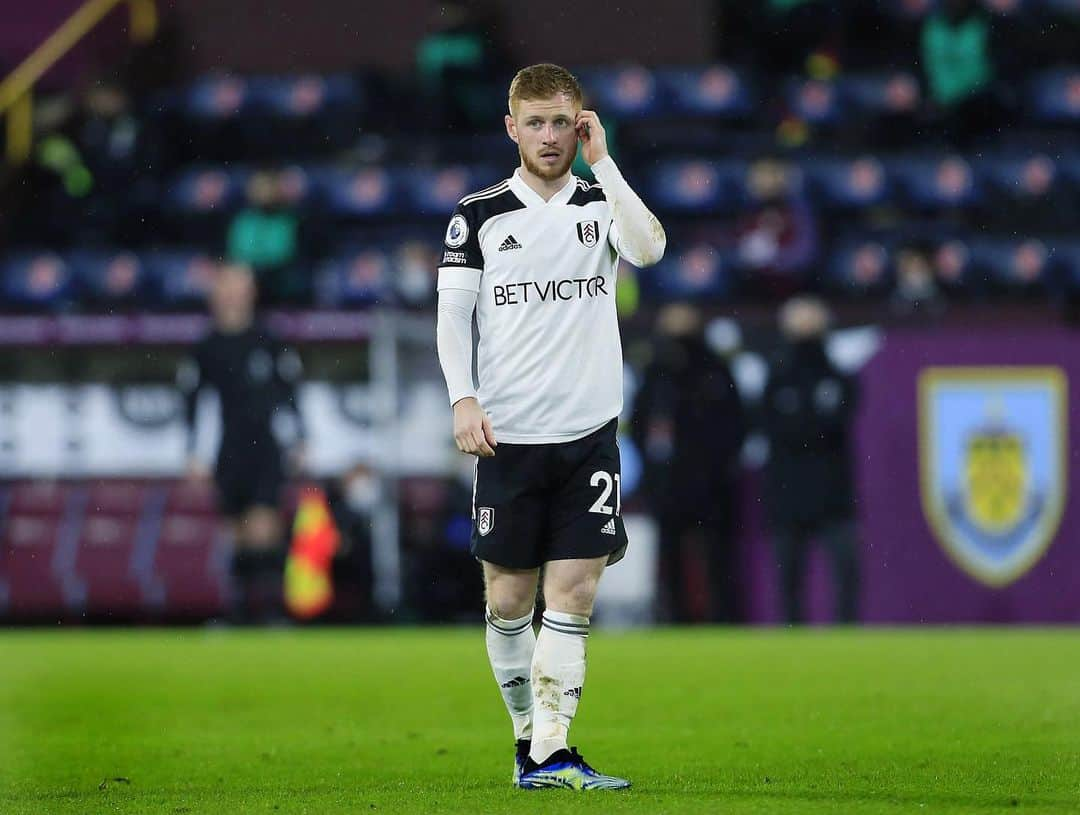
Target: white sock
{"type": "Point", "coordinates": [510, 646]}
{"type": "Point", "coordinates": [558, 673]}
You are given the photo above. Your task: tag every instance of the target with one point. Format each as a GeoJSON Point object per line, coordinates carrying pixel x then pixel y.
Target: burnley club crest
{"type": "Point", "coordinates": [993, 465]}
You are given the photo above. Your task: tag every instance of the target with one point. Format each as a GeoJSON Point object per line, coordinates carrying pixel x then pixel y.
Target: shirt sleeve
{"type": "Point", "coordinates": [454, 340]}
{"type": "Point", "coordinates": [462, 260]}
{"type": "Point", "coordinates": [635, 232]}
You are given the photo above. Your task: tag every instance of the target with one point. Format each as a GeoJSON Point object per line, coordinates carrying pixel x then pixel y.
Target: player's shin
{"type": "Point", "coordinates": [510, 646]}
{"type": "Point", "coordinates": [558, 674]}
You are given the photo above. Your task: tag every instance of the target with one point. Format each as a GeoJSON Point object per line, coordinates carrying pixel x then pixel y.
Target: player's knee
{"type": "Point", "coordinates": [575, 597]}
{"type": "Point", "coordinates": [510, 599]}
{"type": "Point", "coordinates": [260, 529]}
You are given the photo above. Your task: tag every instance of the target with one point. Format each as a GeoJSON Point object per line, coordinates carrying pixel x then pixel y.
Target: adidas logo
{"type": "Point", "coordinates": [509, 243]}
{"type": "Point", "coordinates": [609, 528]}
{"type": "Point", "coordinates": [516, 682]}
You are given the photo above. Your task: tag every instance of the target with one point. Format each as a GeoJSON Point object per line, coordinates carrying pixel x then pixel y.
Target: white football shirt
{"type": "Point", "coordinates": [549, 357]}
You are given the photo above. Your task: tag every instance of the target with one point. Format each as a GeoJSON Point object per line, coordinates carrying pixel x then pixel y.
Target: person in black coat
{"type": "Point", "coordinates": [688, 425]}
{"type": "Point", "coordinates": [808, 407]}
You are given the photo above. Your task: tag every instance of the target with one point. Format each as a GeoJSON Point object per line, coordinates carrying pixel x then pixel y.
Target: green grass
{"type": "Point", "coordinates": [410, 721]}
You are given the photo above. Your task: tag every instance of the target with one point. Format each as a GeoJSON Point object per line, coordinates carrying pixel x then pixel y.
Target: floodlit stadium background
{"type": "Point", "coordinates": [379, 117]}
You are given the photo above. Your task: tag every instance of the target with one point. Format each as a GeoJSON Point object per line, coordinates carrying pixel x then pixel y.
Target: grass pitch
{"type": "Point", "coordinates": [410, 721]}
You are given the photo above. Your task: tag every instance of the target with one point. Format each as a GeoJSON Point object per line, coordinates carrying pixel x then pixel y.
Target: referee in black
{"type": "Point", "coordinates": [255, 377]}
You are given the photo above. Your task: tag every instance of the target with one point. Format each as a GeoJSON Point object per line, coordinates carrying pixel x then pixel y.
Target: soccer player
{"type": "Point", "coordinates": [535, 258]}
{"type": "Point", "coordinates": [254, 376]}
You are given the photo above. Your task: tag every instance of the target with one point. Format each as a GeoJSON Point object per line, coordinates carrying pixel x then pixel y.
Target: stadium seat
{"type": "Point", "coordinates": [934, 183]}
{"type": "Point", "coordinates": [37, 280]}
{"type": "Point", "coordinates": [894, 94]}
{"type": "Point", "coordinates": [216, 97]}
{"type": "Point", "coordinates": [1055, 96]}
{"type": "Point", "coordinates": [189, 565]}
{"type": "Point", "coordinates": [300, 97]}
{"type": "Point", "coordinates": [1019, 176]}
{"type": "Point", "coordinates": [105, 563]}
{"type": "Point", "coordinates": [693, 186]}
{"type": "Point", "coordinates": [188, 498]}
{"type": "Point", "coordinates": [28, 547]}
{"type": "Point", "coordinates": [367, 191]}
{"type": "Point", "coordinates": [355, 277]}
{"type": "Point", "coordinates": [44, 498]}
{"type": "Point", "coordinates": [1012, 264]}
{"type": "Point", "coordinates": [436, 190]}
{"type": "Point", "coordinates": [629, 92]}
{"type": "Point", "coordinates": [110, 278]}
{"type": "Point", "coordinates": [815, 101]}
{"type": "Point", "coordinates": [200, 190]}
{"type": "Point", "coordinates": [118, 497]}
{"type": "Point", "coordinates": [182, 278]}
{"type": "Point", "coordinates": [846, 183]}
{"type": "Point", "coordinates": [695, 270]}
{"type": "Point", "coordinates": [715, 90]}
{"type": "Point", "coordinates": [859, 266]}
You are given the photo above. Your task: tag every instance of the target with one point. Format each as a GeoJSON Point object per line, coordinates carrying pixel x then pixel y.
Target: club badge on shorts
{"type": "Point", "coordinates": [485, 520]}
{"type": "Point", "coordinates": [588, 232]}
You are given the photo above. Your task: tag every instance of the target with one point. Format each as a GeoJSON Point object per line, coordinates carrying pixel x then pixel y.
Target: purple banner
{"type": "Point", "coordinates": [966, 442]}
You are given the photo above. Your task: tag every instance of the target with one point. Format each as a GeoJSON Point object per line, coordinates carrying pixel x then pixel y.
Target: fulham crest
{"type": "Point", "coordinates": [588, 232]}
{"type": "Point", "coordinates": [485, 520]}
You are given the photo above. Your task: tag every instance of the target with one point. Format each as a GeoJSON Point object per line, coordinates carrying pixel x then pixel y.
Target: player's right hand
{"type": "Point", "coordinates": [472, 429]}
{"type": "Point", "coordinates": [197, 472]}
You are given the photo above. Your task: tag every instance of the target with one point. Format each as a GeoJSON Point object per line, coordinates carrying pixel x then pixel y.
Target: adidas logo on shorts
{"type": "Point", "coordinates": [609, 528]}
{"type": "Point", "coordinates": [509, 243]}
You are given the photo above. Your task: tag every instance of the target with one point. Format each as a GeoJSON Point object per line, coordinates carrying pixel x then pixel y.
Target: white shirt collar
{"type": "Point", "coordinates": [531, 198]}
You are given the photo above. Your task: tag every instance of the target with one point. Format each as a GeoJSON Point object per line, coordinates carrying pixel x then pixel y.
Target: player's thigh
{"type": "Point", "coordinates": [510, 593]}
{"type": "Point", "coordinates": [586, 512]}
{"type": "Point", "coordinates": [510, 508]}
{"type": "Point", "coordinates": [570, 585]}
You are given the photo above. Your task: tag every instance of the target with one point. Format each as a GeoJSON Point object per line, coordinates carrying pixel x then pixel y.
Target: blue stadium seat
{"type": "Point", "coordinates": [815, 101]}
{"type": "Point", "coordinates": [355, 277]}
{"type": "Point", "coordinates": [1020, 176]}
{"type": "Point", "coordinates": [181, 277]}
{"type": "Point", "coordinates": [695, 270]}
{"type": "Point", "coordinates": [367, 191]}
{"type": "Point", "coordinates": [436, 190]}
{"type": "Point", "coordinates": [111, 277]}
{"type": "Point", "coordinates": [1067, 7]}
{"type": "Point", "coordinates": [1012, 264]}
{"type": "Point", "coordinates": [935, 183]}
{"type": "Point", "coordinates": [301, 97]}
{"type": "Point", "coordinates": [693, 185]}
{"type": "Point", "coordinates": [895, 94]}
{"type": "Point", "coordinates": [201, 190]}
{"type": "Point", "coordinates": [715, 90]}
{"type": "Point", "coordinates": [216, 97]}
{"type": "Point", "coordinates": [1055, 96]}
{"type": "Point", "coordinates": [40, 280]}
{"type": "Point", "coordinates": [845, 183]}
{"type": "Point", "coordinates": [859, 266]}
{"type": "Point", "coordinates": [627, 92]}
{"type": "Point", "coordinates": [1065, 259]}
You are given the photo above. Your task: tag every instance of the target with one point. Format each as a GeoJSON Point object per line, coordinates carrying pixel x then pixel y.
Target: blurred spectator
{"type": "Point", "coordinates": [353, 497]}
{"type": "Point", "coordinates": [956, 56]}
{"type": "Point", "coordinates": [688, 424]}
{"type": "Point", "coordinates": [255, 376]}
{"type": "Point", "coordinates": [807, 410]}
{"type": "Point", "coordinates": [266, 236]}
{"type": "Point", "coordinates": [777, 238]}
{"type": "Point", "coordinates": [916, 290]}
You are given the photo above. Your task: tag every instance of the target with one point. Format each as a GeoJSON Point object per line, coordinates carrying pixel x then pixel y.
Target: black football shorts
{"type": "Point", "coordinates": [538, 502]}
{"type": "Point", "coordinates": [247, 476]}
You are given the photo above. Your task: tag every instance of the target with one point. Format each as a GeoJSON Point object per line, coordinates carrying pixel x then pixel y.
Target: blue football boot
{"type": "Point", "coordinates": [566, 769]}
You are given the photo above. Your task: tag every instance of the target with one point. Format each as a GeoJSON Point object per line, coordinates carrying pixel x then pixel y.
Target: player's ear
{"type": "Point", "coordinates": [511, 128]}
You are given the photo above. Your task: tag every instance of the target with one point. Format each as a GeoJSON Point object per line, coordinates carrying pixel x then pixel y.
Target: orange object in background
{"type": "Point", "coordinates": [309, 589]}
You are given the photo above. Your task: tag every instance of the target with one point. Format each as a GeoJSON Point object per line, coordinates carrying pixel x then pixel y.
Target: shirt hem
{"type": "Point", "coordinates": [560, 438]}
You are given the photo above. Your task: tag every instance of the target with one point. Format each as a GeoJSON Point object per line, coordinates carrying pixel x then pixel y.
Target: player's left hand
{"type": "Point", "coordinates": [591, 135]}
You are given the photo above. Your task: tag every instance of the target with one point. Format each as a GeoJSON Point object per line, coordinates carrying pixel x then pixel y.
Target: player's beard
{"type": "Point", "coordinates": [547, 173]}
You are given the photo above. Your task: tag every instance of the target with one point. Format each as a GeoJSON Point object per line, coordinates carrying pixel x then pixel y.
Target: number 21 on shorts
{"type": "Point", "coordinates": [605, 480]}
